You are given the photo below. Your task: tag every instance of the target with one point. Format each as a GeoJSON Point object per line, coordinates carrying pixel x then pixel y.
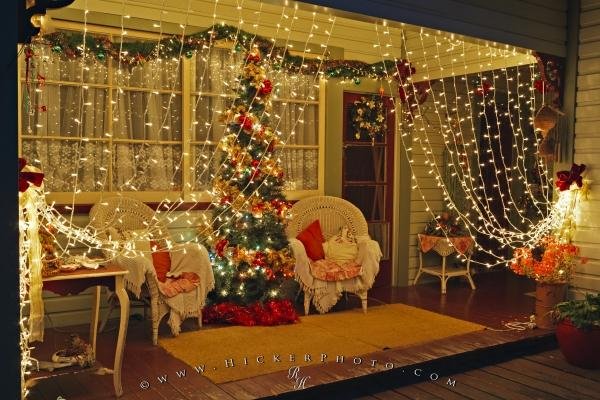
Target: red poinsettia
{"type": "Point", "coordinates": [27, 178]}
{"type": "Point", "coordinates": [220, 247]}
{"type": "Point", "coordinates": [272, 312]}
{"type": "Point", "coordinates": [253, 57]}
{"type": "Point", "coordinates": [484, 88]}
{"type": "Point", "coordinates": [265, 87]}
{"type": "Point", "coordinates": [567, 178]}
{"type": "Point", "coordinates": [245, 122]}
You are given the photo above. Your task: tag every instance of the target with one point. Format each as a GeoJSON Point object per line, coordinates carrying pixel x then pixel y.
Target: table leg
{"type": "Point", "coordinates": [95, 318]}
{"type": "Point", "coordinates": [124, 303]}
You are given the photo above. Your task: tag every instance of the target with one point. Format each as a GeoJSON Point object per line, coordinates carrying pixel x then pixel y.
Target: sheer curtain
{"type": "Point", "coordinates": [59, 114]}
{"type": "Point", "coordinates": [147, 110]}
{"type": "Point", "coordinates": [125, 122]}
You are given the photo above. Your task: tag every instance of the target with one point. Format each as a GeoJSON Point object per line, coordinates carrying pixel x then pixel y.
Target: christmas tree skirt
{"type": "Point", "coordinates": [237, 352]}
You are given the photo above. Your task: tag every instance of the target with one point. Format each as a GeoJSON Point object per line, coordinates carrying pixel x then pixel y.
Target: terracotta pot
{"type": "Point", "coordinates": [581, 347]}
{"type": "Point", "coordinates": [547, 296]}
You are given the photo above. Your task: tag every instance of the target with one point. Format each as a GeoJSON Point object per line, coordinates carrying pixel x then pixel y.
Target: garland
{"type": "Point", "coordinates": [368, 117]}
{"type": "Point", "coordinates": [139, 52]}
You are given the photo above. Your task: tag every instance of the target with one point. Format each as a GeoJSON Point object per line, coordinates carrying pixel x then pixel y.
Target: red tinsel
{"type": "Point", "coordinates": [272, 312]}
{"type": "Point", "coordinates": [266, 87]}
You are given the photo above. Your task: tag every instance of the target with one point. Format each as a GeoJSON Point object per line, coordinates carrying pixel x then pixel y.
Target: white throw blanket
{"type": "Point", "coordinates": [325, 294]}
{"type": "Point", "coordinates": [183, 305]}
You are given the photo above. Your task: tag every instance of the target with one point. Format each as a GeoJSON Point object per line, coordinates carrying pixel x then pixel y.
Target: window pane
{"type": "Point", "coordinates": [369, 199]}
{"type": "Point", "coordinates": [58, 160]}
{"type": "Point", "coordinates": [299, 119]}
{"type": "Point", "coordinates": [365, 163]}
{"type": "Point", "coordinates": [207, 112]}
{"type": "Point", "coordinates": [206, 162]}
{"type": "Point", "coordinates": [217, 70]}
{"type": "Point", "coordinates": [56, 109]}
{"type": "Point", "coordinates": [300, 168]}
{"type": "Point", "coordinates": [147, 116]}
{"type": "Point", "coordinates": [146, 167]}
{"type": "Point", "coordinates": [47, 65]}
{"type": "Point", "coordinates": [160, 74]}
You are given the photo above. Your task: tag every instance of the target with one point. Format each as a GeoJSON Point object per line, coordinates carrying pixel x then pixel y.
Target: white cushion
{"type": "Point", "coordinates": [341, 248]}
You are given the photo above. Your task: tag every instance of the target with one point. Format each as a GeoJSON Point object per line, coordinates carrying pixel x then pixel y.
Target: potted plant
{"type": "Point", "coordinates": [578, 330]}
{"type": "Point", "coordinates": [551, 263]}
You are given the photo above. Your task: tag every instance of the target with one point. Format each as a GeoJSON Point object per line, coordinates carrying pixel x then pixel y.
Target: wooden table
{"type": "Point", "coordinates": [444, 247]}
{"type": "Point", "coordinates": [110, 276]}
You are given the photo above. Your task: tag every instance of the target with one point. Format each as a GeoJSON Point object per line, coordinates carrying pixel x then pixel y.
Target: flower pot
{"type": "Point", "coordinates": [547, 296]}
{"type": "Point", "coordinates": [581, 347]}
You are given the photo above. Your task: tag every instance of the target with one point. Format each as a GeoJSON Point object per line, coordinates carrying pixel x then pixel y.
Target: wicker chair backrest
{"type": "Point", "coordinates": [333, 214]}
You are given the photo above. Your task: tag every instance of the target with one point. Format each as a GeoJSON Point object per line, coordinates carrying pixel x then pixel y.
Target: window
{"type": "Point", "coordinates": [152, 130]}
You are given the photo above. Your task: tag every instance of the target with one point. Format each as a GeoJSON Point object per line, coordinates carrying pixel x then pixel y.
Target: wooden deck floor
{"type": "Point", "coordinates": [541, 376]}
{"type": "Point", "coordinates": [500, 297]}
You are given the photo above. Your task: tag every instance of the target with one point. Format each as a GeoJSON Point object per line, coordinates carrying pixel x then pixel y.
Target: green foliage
{"type": "Point", "coordinates": [584, 314]}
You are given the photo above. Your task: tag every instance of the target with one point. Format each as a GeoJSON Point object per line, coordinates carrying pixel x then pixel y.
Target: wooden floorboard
{"type": "Point", "coordinates": [500, 298]}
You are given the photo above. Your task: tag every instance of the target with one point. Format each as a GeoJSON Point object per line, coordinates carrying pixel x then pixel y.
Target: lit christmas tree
{"type": "Point", "coordinates": [251, 254]}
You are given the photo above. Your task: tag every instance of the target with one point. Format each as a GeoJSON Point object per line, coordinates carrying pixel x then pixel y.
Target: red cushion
{"type": "Point", "coordinates": [312, 239]}
{"type": "Point", "coordinates": [161, 261]}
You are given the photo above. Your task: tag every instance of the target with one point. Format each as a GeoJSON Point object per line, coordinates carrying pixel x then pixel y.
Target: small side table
{"type": "Point", "coordinates": [445, 247]}
{"type": "Point", "coordinates": [110, 276]}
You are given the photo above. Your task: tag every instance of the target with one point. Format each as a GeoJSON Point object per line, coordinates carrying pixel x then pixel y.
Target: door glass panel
{"type": "Point", "coordinates": [365, 163]}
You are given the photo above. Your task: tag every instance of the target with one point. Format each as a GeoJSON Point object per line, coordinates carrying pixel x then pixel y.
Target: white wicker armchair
{"type": "Point", "coordinates": [333, 213]}
{"type": "Point", "coordinates": [126, 214]}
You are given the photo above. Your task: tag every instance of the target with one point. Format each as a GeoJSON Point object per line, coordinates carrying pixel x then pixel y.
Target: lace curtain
{"type": "Point", "coordinates": [133, 137]}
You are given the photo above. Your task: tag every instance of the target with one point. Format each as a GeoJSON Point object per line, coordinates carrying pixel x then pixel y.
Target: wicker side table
{"type": "Point", "coordinates": [445, 247]}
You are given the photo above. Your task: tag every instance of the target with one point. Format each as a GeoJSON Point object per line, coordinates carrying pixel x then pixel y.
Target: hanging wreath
{"type": "Point", "coordinates": [368, 117]}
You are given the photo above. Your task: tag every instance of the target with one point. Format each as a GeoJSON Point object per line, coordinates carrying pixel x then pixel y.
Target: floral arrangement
{"type": "Point", "coordinates": [551, 261]}
{"type": "Point", "coordinates": [446, 224]}
{"type": "Point", "coordinates": [368, 117]}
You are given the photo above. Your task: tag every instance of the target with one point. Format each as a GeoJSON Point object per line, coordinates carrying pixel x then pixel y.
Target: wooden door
{"type": "Point", "coordinates": [367, 180]}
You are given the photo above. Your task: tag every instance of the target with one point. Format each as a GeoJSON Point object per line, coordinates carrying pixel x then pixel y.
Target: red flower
{"type": "Point", "coordinates": [245, 122]}
{"type": "Point", "coordinates": [265, 87]}
{"type": "Point", "coordinates": [484, 88]}
{"type": "Point", "coordinates": [220, 247]}
{"type": "Point", "coordinates": [253, 57]}
{"type": "Point", "coordinates": [27, 178]}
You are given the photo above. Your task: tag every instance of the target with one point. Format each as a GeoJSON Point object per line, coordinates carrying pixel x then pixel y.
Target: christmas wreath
{"type": "Point", "coordinates": [368, 117]}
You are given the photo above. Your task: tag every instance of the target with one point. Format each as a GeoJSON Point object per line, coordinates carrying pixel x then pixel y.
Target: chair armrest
{"type": "Point", "coordinates": [368, 249]}
{"type": "Point", "coordinates": [298, 251]}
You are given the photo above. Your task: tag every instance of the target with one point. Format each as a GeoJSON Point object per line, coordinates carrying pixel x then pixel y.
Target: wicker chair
{"type": "Point", "coordinates": [127, 214]}
{"type": "Point", "coordinates": [333, 213]}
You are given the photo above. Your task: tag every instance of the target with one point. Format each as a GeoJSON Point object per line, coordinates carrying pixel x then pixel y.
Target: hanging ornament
{"type": "Point", "coordinates": [238, 47]}
{"type": "Point", "coordinates": [189, 54]}
{"type": "Point", "coordinates": [357, 81]}
{"type": "Point", "coordinates": [57, 49]}
{"type": "Point", "coordinates": [101, 56]}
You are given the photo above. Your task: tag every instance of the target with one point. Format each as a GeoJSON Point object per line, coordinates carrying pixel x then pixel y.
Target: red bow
{"type": "Point", "coordinates": [566, 178]}
{"type": "Point", "coordinates": [27, 178]}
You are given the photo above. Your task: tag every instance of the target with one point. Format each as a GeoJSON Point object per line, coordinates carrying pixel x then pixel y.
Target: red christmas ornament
{"type": "Point", "coordinates": [266, 87]}
{"type": "Point", "coordinates": [255, 163]}
{"type": "Point", "coordinates": [225, 200]}
{"type": "Point", "coordinates": [269, 273]}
